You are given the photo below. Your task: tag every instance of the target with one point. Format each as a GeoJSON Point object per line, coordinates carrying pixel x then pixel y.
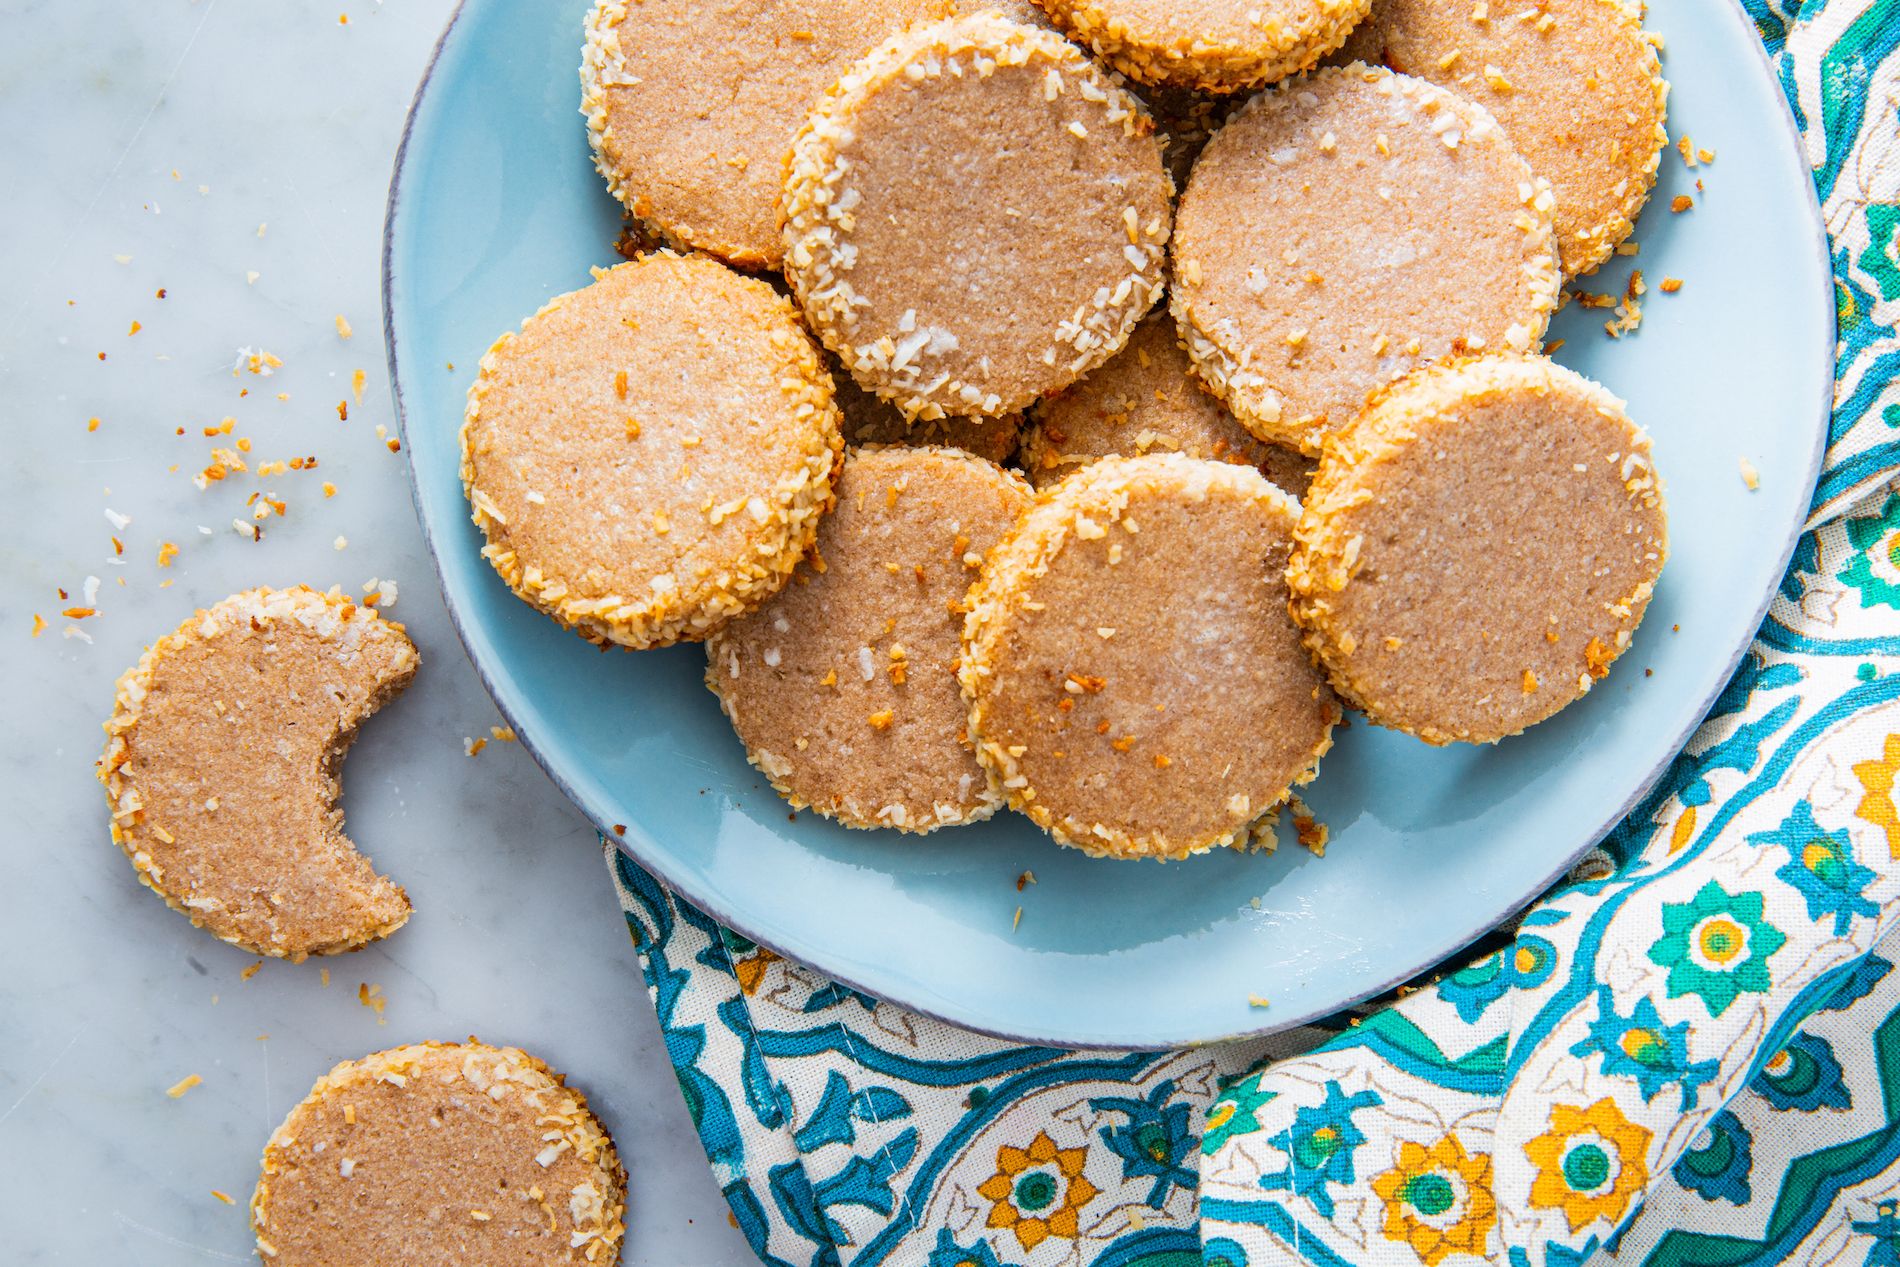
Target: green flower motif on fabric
{"type": "Point", "coordinates": [1874, 570]}
{"type": "Point", "coordinates": [1821, 868]}
{"type": "Point", "coordinates": [1235, 1113]}
{"type": "Point", "coordinates": [1881, 260]}
{"type": "Point", "coordinates": [1716, 946]}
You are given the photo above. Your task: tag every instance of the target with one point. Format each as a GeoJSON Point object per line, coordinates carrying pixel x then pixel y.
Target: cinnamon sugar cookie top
{"type": "Point", "coordinates": [1147, 400]}
{"type": "Point", "coordinates": [1575, 84]}
{"type": "Point", "coordinates": [868, 420]}
{"type": "Point", "coordinates": [1478, 547]}
{"type": "Point", "coordinates": [975, 215]}
{"type": "Point", "coordinates": [1345, 227]}
{"type": "Point", "coordinates": [225, 745]}
{"type": "Point", "coordinates": [691, 107]}
{"type": "Point", "coordinates": [440, 1153]}
{"type": "Point", "coordinates": [1135, 683]}
{"type": "Point", "coordinates": [1215, 45]}
{"type": "Point", "coordinates": [649, 456]}
{"type": "Point", "coordinates": [843, 688]}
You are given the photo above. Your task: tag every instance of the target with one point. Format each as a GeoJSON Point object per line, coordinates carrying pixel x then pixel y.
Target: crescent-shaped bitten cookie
{"type": "Point", "coordinates": [222, 767]}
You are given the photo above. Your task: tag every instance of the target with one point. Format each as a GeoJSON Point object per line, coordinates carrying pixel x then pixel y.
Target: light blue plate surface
{"type": "Point", "coordinates": [495, 207]}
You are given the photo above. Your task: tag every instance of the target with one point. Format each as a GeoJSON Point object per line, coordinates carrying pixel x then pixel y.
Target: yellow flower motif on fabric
{"type": "Point", "coordinates": [749, 960]}
{"type": "Point", "coordinates": [1039, 1191]}
{"type": "Point", "coordinates": [1877, 806]}
{"type": "Point", "coordinates": [1590, 1163]}
{"type": "Point", "coordinates": [1438, 1200]}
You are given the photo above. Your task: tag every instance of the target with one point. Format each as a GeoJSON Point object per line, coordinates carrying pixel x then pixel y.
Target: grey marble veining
{"type": "Point", "coordinates": [189, 145]}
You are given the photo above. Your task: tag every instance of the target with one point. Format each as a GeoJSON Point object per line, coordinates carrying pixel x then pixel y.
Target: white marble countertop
{"type": "Point", "coordinates": [236, 155]}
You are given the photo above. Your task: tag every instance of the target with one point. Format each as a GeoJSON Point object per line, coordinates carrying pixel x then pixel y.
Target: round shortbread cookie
{"type": "Point", "coordinates": [226, 741]}
{"type": "Point", "coordinates": [649, 457]}
{"type": "Point", "coordinates": [976, 215]}
{"type": "Point", "coordinates": [691, 107]}
{"type": "Point", "coordinates": [440, 1153]}
{"type": "Point", "coordinates": [1213, 45]}
{"type": "Point", "coordinates": [1346, 227]}
{"type": "Point", "coordinates": [1576, 84]}
{"type": "Point", "coordinates": [1478, 547]}
{"type": "Point", "coordinates": [1135, 684]}
{"type": "Point", "coordinates": [843, 687]}
{"type": "Point", "coordinates": [1147, 400]}
{"type": "Point", "coordinates": [868, 420]}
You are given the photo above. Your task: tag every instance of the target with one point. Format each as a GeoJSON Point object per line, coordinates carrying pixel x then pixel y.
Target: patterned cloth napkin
{"type": "Point", "coordinates": [1687, 1054]}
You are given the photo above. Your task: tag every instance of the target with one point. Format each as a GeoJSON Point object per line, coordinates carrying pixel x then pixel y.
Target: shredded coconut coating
{"type": "Point", "coordinates": [686, 493]}
{"type": "Point", "coordinates": [1342, 229]}
{"type": "Point", "coordinates": [1134, 682]}
{"type": "Point", "coordinates": [1209, 45]}
{"type": "Point", "coordinates": [936, 289]}
{"type": "Point", "coordinates": [843, 687]}
{"type": "Point", "coordinates": [1576, 83]}
{"type": "Point", "coordinates": [1478, 547]}
{"type": "Point", "coordinates": [239, 832]}
{"type": "Point", "coordinates": [869, 420]}
{"type": "Point", "coordinates": [440, 1152]}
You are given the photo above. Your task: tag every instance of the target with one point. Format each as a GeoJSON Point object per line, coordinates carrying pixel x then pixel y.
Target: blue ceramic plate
{"type": "Point", "coordinates": [495, 207]}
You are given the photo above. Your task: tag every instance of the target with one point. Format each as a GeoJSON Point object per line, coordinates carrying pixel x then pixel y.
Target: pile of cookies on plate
{"type": "Point", "coordinates": [1253, 294]}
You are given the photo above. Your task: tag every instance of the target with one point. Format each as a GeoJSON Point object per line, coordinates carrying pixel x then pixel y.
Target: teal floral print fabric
{"type": "Point", "coordinates": [1689, 1053]}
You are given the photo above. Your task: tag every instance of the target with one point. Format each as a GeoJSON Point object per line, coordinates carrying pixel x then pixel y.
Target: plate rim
{"type": "Point", "coordinates": [639, 850]}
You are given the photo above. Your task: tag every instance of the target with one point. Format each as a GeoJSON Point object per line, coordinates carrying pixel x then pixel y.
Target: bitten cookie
{"type": "Point", "coordinates": [1136, 686]}
{"type": "Point", "coordinates": [868, 420]}
{"type": "Point", "coordinates": [1213, 45]}
{"type": "Point", "coordinates": [225, 745]}
{"type": "Point", "coordinates": [1147, 400]}
{"type": "Point", "coordinates": [843, 688]}
{"type": "Point", "coordinates": [956, 273]}
{"type": "Point", "coordinates": [1348, 226]}
{"type": "Point", "coordinates": [1575, 84]}
{"type": "Point", "coordinates": [440, 1153]}
{"type": "Point", "coordinates": [1478, 547]}
{"type": "Point", "coordinates": [691, 107]}
{"type": "Point", "coordinates": [650, 455]}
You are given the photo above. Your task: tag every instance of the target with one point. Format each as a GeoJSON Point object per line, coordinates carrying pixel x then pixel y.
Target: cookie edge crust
{"type": "Point", "coordinates": [1208, 65]}
{"type": "Point", "coordinates": [1597, 245]}
{"type": "Point", "coordinates": [1248, 393]}
{"type": "Point", "coordinates": [1325, 553]}
{"type": "Point", "coordinates": [305, 606]}
{"type": "Point", "coordinates": [816, 227]}
{"type": "Point", "coordinates": [989, 797]}
{"type": "Point", "coordinates": [1101, 488]}
{"type": "Point", "coordinates": [603, 66]}
{"type": "Point", "coordinates": [683, 613]}
{"type": "Point", "coordinates": [581, 1128]}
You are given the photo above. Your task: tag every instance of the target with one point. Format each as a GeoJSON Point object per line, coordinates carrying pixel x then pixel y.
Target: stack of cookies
{"type": "Point", "coordinates": [1251, 292]}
